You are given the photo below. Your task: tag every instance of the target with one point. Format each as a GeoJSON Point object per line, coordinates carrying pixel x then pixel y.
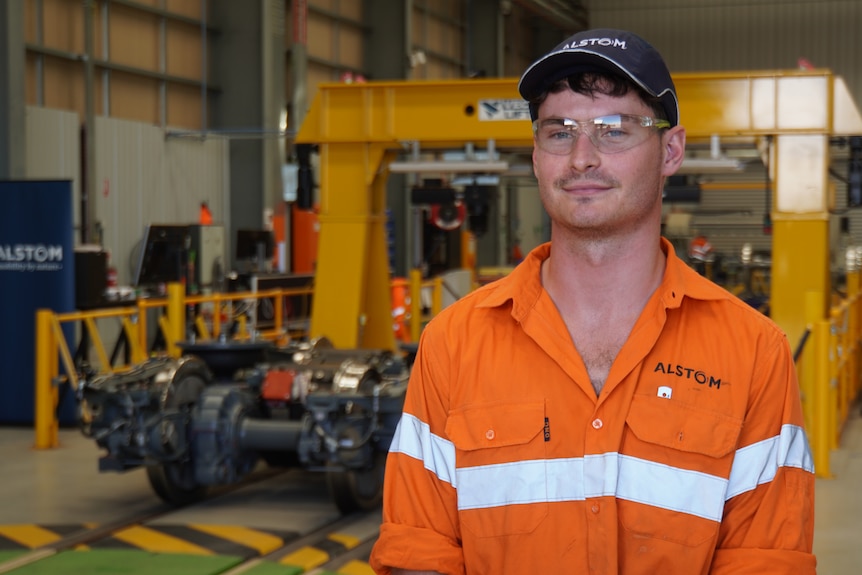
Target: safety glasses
{"type": "Point", "coordinates": [609, 134]}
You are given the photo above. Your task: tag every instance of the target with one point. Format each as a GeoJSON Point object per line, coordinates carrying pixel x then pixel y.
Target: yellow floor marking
{"type": "Point", "coordinates": [31, 536]}
{"type": "Point", "coordinates": [356, 568]}
{"type": "Point", "coordinates": [349, 541]}
{"type": "Point", "coordinates": [307, 558]}
{"type": "Point", "coordinates": [152, 540]}
{"type": "Point", "coordinates": [263, 542]}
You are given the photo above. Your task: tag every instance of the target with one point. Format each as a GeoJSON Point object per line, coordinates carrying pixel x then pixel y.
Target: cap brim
{"type": "Point", "coordinates": [564, 63]}
{"type": "Point", "coordinates": [559, 65]}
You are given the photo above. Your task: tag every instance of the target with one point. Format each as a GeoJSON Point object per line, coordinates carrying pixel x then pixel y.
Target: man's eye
{"type": "Point", "coordinates": [559, 134]}
{"type": "Point", "coordinates": [614, 131]}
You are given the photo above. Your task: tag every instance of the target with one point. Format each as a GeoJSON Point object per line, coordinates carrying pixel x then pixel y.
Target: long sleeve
{"type": "Point", "coordinates": [768, 523]}
{"type": "Point", "coordinates": [420, 518]}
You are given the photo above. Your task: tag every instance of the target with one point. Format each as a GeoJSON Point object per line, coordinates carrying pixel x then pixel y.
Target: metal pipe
{"type": "Point", "coordinates": [40, 61]}
{"type": "Point", "coordinates": [204, 47]}
{"type": "Point", "coordinates": [408, 38]}
{"type": "Point", "coordinates": [89, 165]}
{"type": "Point", "coordinates": [163, 66]}
{"type": "Point", "coordinates": [106, 55]}
{"type": "Point", "coordinates": [113, 66]}
{"type": "Point", "coordinates": [269, 435]}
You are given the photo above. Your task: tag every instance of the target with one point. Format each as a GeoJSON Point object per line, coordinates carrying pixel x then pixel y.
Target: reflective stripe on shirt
{"type": "Point", "coordinates": [546, 480]}
{"type": "Point", "coordinates": [609, 474]}
{"type": "Point", "coordinates": [413, 437]}
{"type": "Point", "coordinates": [758, 463]}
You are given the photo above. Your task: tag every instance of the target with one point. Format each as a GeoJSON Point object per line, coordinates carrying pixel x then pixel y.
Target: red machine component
{"type": "Point", "coordinates": [278, 385]}
{"type": "Point", "coordinates": [448, 216]}
{"type": "Point", "coordinates": [306, 229]}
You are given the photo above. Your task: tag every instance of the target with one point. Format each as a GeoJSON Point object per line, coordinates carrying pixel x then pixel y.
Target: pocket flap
{"type": "Point", "coordinates": [685, 427]}
{"type": "Point", "coordinates": [495, 425]}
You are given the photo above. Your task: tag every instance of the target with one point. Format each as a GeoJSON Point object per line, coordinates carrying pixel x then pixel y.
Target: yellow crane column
{"type": "Point", "coordinates": [800, 230]}
{"type": "Point", "coordinates": [351, 303]}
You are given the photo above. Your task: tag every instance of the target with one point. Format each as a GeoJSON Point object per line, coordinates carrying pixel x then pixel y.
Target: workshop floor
{"type": "Point", "coordinates": [838, 506]}
{"type": "Point", "coordinates": [62, 485]}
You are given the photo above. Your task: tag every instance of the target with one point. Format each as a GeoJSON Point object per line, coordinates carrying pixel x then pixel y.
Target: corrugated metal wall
{"type": "Point", "coordinates": [725, 35]}
{"type": "Point", "coordinates": [146, 177]}
{"type": "Point", "coordinates": [54, 150]}
{"type": "Point", "coordinates": [707, 35]}
{"type": "Point", "coordinates": [143, 176]}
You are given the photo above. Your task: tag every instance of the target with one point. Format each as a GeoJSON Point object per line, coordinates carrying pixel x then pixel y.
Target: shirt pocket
{"type": "Point", "coordinates": [680, 471]}
{"type": "Point", "coordinates": [501, 474]}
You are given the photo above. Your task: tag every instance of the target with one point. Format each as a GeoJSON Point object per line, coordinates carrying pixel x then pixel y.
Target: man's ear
{"type": "Point", "coordinates": [673, 142]}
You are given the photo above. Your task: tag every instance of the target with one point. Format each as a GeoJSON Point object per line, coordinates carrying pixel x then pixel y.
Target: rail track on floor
{"type": "Point", "coordinates": [276, 521]}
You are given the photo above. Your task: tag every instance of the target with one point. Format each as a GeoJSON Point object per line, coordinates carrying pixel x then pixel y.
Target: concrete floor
{"type": "Point", "coordinates": [838, 507]}
{"type": "Point", "coordinates": [64, 485]}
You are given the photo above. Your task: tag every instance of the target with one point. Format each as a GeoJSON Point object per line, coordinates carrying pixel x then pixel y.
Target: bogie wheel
{"type": "Point", "coordinates": [357, 489]}
{"type": "Point", "coordinates": [175, 482]}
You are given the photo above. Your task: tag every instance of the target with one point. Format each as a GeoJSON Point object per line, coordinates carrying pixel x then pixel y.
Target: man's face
{"type": "Point", "coordinates": [594, 194]}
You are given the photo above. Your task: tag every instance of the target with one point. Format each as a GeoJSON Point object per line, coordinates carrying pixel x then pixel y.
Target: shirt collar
{"type": "Point", "coordinates": [523, 285]}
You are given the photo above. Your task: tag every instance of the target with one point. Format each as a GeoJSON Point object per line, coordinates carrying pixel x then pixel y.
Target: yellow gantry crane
{"type": "Point", "coordinates": [361, 129]}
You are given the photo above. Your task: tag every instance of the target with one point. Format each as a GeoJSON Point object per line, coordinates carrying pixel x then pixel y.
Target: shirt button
{"type": "Point", "coordinates": [489, 435]}
{"type": "Point", "coordinates": [595, 508]}
{"type": "Point", "coordinates": [597, 423]}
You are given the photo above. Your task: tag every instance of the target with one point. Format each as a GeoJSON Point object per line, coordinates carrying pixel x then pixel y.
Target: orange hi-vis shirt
{"type": "Point", "coordinates": [693, 459]}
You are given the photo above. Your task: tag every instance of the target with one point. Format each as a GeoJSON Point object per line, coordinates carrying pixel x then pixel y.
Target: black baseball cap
{"type": "Point", "coordinates": [603, 49]}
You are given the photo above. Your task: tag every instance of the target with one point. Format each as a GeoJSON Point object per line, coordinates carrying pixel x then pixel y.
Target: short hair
{"type": "Point", "coordinates": [599, 82]}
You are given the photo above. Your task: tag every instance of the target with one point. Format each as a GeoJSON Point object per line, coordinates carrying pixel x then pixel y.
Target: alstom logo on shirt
{"type": "Point", "coordinates": [612, 42]}
{"type": "Point", "coordinates": [688, 373]}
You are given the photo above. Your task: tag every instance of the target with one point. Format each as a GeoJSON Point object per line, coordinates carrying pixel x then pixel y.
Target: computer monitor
{"type": "Point", "coordinates": [164, 255]}
{"type": "Point", "coordinates": [254, 245]}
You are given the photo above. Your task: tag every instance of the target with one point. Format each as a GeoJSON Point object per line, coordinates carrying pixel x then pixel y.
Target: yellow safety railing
{"type": "Point", "coordinates": [210, 315]}
{"type": "Point", "coordinates": [829, 369]}
{"type": "Point", "coordinates": [829, 359]}
{"type": "Point", "coordinates": [418, 317]}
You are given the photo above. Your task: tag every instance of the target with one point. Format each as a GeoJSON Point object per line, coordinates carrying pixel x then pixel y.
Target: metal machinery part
{"type": "Point", "coordinates": [143, 417]}
{"type": "Point", "coordinates": [311, 405]}
{"type": "Point", "coordinates": [360, 129]}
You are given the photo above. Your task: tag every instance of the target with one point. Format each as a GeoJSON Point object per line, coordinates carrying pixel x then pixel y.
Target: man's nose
{"type": "Point", "coordinates": [584, 155]}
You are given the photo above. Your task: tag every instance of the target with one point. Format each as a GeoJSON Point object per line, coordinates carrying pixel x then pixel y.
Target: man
{"type": "Point", "coordinates": [603, 409]}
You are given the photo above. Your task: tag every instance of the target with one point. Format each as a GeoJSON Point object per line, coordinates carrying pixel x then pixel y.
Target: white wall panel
{"type": "Point", "coordinates": [145, 177]}
{"type": "Point", "coordinates": [53, 150]}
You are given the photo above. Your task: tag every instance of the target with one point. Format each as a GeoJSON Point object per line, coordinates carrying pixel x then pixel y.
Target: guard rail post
{"type": "Point", "coordinates": [831, 396]}
{"type": "Point", "coordinates": [46, 394]}
{"type": "Point", "coordinates": [857, 314]}
{"type": "Point", "coordinates": [437, 296]}
{"type": "Point", "coordinates": [844, 378]}
{"type": "Point", "coordinates": [853, 295]}
{"type": "Point", "coordinates": [280, 333]}
{"type": "Point", "coordinates": [835, 375]}
{"type": "Point", "coordinates": [142, 328]}
{"type": "Point", "coordinates": [176, 318]}
{"type": "Point", "coordinates": [806, 368]}
{"type": "Point", "coordinates": [822, 436]}
{"type": "Point", "coordinates": [415, 304]}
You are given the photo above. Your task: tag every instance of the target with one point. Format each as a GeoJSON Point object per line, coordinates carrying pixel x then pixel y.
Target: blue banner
{"type": "Point", "coordinates": [36, 271]}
